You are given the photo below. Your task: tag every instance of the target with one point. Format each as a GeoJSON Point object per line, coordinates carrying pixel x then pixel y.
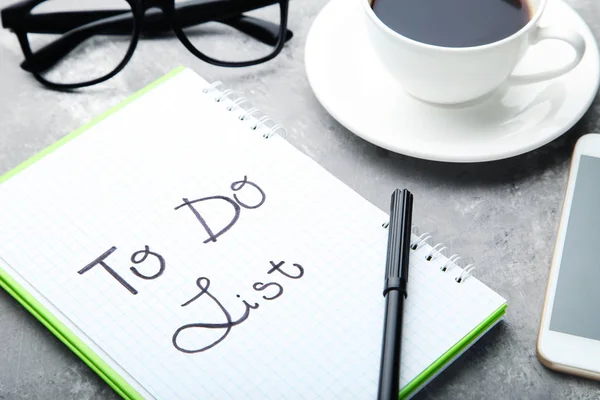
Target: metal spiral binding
{"type": "Point", "coordinates": [212, 86]}
{"type": "Point", "coordinates": [223, 95]}
{"type": "Point", "coordinates": [438, 250]}
{"type": "Point", "coordinates": [236, 103]}
{"type": "Point", "coordinates": [465, 273]}
{"type": "Point", "coordinates": [264, 121]}
{"type": "Point", "coordinates": [453, 261]}
{"type": "Point", "coordinates": [422, 239]}
{"type": "Point", "coordinates": [450, 261]}
{"type": "Point", "coordinates": [250, 112]}
{"type": "Point", "coordinates": [435, 251]}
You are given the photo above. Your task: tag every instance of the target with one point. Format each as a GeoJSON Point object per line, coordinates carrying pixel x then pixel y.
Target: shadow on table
{"type": "Point", "coordinates": [491, 173]}
{"type": "Point", "coordinates": [530, 164]}
{"type": "Point", "coordinates": [37, 365]}
{"type": "Point", "coordinates": [501, 382]}
{"type": "Point", "coordinates": [473, 359]}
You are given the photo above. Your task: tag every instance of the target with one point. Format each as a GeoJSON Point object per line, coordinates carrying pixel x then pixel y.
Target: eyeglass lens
{"type": "Point", "coordinates": [228, 40]}
{"type": "Point", "coordinates": [89, 50]}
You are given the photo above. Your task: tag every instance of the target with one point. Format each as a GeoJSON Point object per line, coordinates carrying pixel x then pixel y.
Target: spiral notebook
{"type": "Point", "coordinates": [183, 249]}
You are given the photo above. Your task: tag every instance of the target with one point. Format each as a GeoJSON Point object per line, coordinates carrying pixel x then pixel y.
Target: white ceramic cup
{"type": "Point", "coordinates": [451, 75]}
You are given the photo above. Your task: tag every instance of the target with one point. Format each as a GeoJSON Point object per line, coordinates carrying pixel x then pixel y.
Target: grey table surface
{"type": "Point", "coordinates": [502, 215]}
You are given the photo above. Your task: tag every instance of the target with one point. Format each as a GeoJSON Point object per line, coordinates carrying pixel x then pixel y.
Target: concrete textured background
{"type": "Point", "coordinates": [502, 215]}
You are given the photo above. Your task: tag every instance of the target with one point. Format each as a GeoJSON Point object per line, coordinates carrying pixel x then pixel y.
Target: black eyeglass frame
{"type": "Point", "coordinates": [16, 18]}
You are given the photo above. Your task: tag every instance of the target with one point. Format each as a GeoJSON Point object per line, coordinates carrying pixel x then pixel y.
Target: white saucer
{"type": "Point", "coordinates": [355, 89]}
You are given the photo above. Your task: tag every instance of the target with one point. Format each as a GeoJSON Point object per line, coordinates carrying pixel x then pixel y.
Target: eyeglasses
{"type": "Point", "coordinates": [67, 46]}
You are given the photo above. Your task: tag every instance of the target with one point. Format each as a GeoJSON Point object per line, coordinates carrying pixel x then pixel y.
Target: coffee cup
{"type": "Point", "coordinates": [456, 74]}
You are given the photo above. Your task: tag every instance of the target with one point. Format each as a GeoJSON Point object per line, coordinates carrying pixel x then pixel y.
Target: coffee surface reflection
{"type": "Point", "coordinates": [454, 23]}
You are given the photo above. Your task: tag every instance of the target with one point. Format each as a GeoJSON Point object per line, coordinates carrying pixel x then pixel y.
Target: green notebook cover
{"type": "Point", "coordinates": [98, 365]}
{"type": "Point", "coordinates": [453, 353]}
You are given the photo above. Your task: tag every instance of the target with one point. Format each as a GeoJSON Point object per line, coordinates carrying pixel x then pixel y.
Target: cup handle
{"type": "Point", "coordinates": [566, 35]}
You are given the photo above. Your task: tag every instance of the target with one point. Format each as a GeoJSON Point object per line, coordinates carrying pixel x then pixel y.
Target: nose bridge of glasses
{"type": "Point", "coordinates": [154, 20]}
{"type": "Point", "coordinates": [163, 5]}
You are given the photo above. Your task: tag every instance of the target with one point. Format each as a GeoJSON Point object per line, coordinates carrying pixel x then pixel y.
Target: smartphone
{"type": "Point", "coordinates": [569, 334]}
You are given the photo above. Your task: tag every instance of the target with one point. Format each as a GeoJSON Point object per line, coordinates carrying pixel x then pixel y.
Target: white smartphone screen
{"type": "Point", "coordinates": [576, 309]}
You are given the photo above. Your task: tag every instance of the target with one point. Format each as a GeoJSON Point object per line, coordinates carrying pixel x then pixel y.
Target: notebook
{"type": "Point", "coordinates": [183, 249]}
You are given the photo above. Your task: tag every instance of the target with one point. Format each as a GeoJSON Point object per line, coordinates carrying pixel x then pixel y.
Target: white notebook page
{"type": "Point", "coordinates": [139, 188]}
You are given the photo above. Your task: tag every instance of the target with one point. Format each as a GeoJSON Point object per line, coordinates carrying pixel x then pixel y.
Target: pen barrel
{"type": "Point", "coordinates": [389, 371]}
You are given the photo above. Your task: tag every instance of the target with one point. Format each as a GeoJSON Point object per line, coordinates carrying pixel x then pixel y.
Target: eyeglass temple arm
{"type": "Point", "coordinates": [116, 22]}
{"type": "Point", "coordinates": [260, 29]}
{"type": "Point", "coordinates": [154, 22]}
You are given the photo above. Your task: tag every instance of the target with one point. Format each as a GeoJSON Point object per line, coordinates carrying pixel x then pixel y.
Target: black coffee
{"type": "Point", "coordinates": [454, 23]}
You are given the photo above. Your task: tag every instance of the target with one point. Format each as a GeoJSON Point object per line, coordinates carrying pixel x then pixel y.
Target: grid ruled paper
{"type": "Point", "coordinates": [113, 233]}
